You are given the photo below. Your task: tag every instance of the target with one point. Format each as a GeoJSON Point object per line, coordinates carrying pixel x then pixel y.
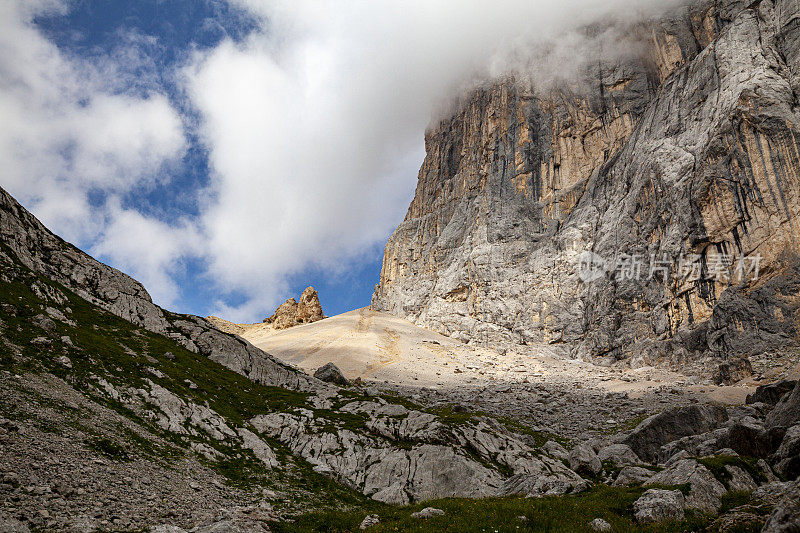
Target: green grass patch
{"type": "Point", "coordinates": [109, 448]}
{"type": "Point", "coordinates": [549, 514]}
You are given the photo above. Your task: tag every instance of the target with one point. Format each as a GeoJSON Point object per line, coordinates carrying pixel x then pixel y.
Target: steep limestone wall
{"type": "Point", "coordinates": [690, 151]}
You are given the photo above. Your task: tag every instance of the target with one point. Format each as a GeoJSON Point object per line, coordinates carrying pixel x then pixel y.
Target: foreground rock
{"type": "Point", "coordinates": [658, 505]}
{"type": "Point", "coordinates": [330, 373]}
{"type": "Point", "coordinates": [787, 411]}
{"type": "Point", "coordinates": [428, 512]}
{"type": "Point", "coordinates": [786, 516]}
{"type": "Point", "coordinates": [583, 460]}
{"type": "Point", "coordinates": [705, 492]}
{"type": "Point", "coordinates": [598, 524]}
{"type": "Point", "coordinates": [648, 438]}
{"type": "Point", "coordinates": [369, 521]}
{"type": "Point", "coordinates": [434, 462]}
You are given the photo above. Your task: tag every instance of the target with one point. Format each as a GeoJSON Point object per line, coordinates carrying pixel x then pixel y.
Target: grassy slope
{"type": "Point", "coordinates": [104, 345]}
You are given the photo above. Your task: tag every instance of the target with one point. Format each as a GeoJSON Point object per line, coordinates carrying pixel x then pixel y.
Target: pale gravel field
{"type": "Point", "coordinates": [538, 384]}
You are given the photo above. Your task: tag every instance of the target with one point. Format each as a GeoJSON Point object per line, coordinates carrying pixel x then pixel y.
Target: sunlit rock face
{"type": "Point", "coordinates": [684, 159]}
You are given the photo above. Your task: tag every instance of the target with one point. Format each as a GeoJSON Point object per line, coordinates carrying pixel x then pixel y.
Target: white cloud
{"type": "Point", "coordinates": [68, 131]}
{"type": "Point", "coordinates": [147, 249]}
{"type": "Point", "coordinates": [315, 124]}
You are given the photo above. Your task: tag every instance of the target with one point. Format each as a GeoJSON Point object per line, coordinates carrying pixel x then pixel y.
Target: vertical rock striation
{"type": "Point", "coordinates": [687, 155]}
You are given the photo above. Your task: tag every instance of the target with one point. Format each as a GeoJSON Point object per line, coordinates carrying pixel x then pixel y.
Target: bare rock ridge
{"type": "Point", "coordinates": [687, 155]}
{"type": "Point", "coordinates": [293, 313]}
{"type": "Point", "coordinates": [47, 254]}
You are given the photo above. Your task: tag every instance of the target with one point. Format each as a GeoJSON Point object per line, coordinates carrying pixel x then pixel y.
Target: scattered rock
{"type": "Point", "coordinates": [705, 492]}
{"type": "Point", "coordinates": [619, 455]}
{"type": "Point", "coordinates": [554, 449]}
{"type": "Point", "coordinates": [330, 373]}
{"type": "Point", "coordinates": [583, 460]}
{"type": "Point", "coordinates": [428, 512]}
{"type": "Point", "coordinates": [598, 524]}
{"type": "Point", "coordinates": [632, 475]}
{"type": "Point", "coordinates": [772, 493]}
{"type": "Point", "coordinates": [64, 361]}
{"type": "Point", "coordinates": [369, 521]}
{"type": "Point", "coordinates": [647, 439]}
{"type": "Point", "coordinates": [657, 505]}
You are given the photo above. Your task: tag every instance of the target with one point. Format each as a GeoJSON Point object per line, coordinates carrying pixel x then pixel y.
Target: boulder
{"type": "Point", "coordinates": [787, 411]}
{"type": "Point", "coordinates": [748, 437]}
{"type": "Point", "coordinates": [730, 372]}
{"type": "Point", "coordinates": [554, 449]}
{"type": "Point", "coordinates": [771, 394]}
{"type": "Point", "coordinates": [658, 505]}
{"type": "Point", "coordinates": [584, 461]}
{"type": "Point", "coordinates": [598, 524]}
{"type": "Point", "coordinates": [632, 475]}
{"type": "Point", "coordinates": [739, 479]}
{"type": "Point", "coordinates": [786, 516]}
{"type": "Point", "coordinates": [330, 373]}
{"type": "Point", "coordinates": [369, 521]}
{"type": "Point", "coordinates": [738, 519]}
{"type": "Point", "coordinates": [705, 492]}
{"type": "Point", "coordinates": [658, 430]}
{"type": "Point", "coordinates": [772, 493]}
{"type": "Point", "coordinates": [619, 455]}
{"type": "Point", "coordinates": [428, 512]}
{"type": "Point", "coordinates": [787, 458]}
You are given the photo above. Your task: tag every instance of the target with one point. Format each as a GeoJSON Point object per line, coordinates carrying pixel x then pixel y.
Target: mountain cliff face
{"type": "Point", "coordinates": [684, 159]}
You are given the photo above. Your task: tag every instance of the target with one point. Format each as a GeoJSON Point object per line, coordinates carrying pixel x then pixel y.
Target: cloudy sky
{"type": "Point", "coordinates": [229, 153]}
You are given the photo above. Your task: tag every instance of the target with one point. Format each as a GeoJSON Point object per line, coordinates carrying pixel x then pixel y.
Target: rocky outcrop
{"type": "Point", "coordinates": [657, 505]}
{"type": "Point", "coordinates": [787, 411]}
{"type": "Point", "coordinates": [685, 160]}
{"type": "Point", "coordinates": [436, 460]}
{"type": "Point", "coordinates": [648, 438]}
{"type": "Point", "coordinates": [293, 313]}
